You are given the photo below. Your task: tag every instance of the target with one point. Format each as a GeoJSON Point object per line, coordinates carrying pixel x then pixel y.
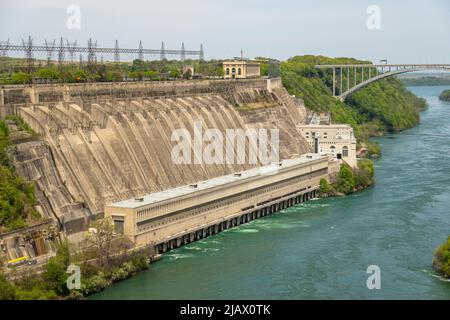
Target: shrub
{"type": "Point", "coordinates": [441, 260]}
{"type": "Point", "coordinates": [346, 182]}
{"type": "Point", "coordinates": [55, 274]}
{"type": "Point", "coordinates": [7, 290]}
{"type": "Point", "coordinates": [373, 150]}
{"type": "Point", "coordinates": [94, 284]}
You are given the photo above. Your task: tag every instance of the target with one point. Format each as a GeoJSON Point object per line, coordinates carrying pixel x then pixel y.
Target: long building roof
{"type": "Point", "coordinates": [214, 182]}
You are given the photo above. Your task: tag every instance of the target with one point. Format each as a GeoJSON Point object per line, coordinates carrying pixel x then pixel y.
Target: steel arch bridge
{"type": "Point", "coordinates": [360, 75]}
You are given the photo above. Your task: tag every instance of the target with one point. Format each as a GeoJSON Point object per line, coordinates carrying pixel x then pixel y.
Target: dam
{"type": "Point", "coordinates": [104, 149]}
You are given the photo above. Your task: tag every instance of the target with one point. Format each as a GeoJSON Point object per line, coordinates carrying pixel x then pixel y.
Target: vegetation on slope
{"type": "Point", "coordinates": [445, 95]}
{"type": "Point", "coordinates": [385, 105]}
{"type": "Point", "coordinates": [441, 261]}
{"type": "Point", "coordinates": [349, 180]}
{"type": "Point", "coordinates": [17, 197]}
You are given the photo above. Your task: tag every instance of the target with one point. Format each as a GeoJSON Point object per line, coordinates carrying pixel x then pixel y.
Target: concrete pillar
{"type": "Point", "coordinates": [2, 97]}
{"type": "Point", "coordinates": [34, 95]}
{"type": "Point", "coordinates": [334, 82]}
{"type": "Point", "coordinates": [348, 78]}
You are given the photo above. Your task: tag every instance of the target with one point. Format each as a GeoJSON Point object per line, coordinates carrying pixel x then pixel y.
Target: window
{"type": "Point", "coordinates": [227, 71]}
{"type": "Point", "coordinates": [239, 71]}
{"type": "Point", "coordinates": [233, 70]}
{"type": "Point", "coordinates": [344, 151]}
{"type": "Point", "coordinates": [118, 224]}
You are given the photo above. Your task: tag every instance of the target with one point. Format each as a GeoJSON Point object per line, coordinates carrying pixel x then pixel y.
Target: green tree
{"type": "Point", "coordinates": [80, 76]}
{"type": "Point", "coordinates": [445, 95]}
{"type": "Point", "coordinates": [324, 187]}
{"type": "Point", "coordinates": [441, 260]}
{"type": "Point", "coordinates": [21, 78]}
{"type": "Point", "coordinates": [101, 239]}
{"type": "Point", "coordinates": [174, 73]}
{"type": "Point", "coordinates": [55, 274]}
{"type": "Point", "coordinates": [7, 290]}
{"type": "Point", "coordinates": [48, 73]}
{"type": "Point", "coordinates": [346, 182]}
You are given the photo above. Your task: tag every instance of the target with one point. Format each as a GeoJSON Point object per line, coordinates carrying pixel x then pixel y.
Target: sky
{"type": "Point", "coordinates": [404, 31]}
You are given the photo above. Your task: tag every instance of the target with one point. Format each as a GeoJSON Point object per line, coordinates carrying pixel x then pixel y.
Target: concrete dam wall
{"type": "Point", "coordinates": [105, 148]}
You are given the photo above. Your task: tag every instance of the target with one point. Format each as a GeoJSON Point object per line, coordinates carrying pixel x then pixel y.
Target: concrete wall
{"type": "Point", "coordinates": [108, 90]}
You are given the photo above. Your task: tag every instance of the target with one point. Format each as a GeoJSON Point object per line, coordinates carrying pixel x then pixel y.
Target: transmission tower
{"type": "Point", "coordinates": [91, 53]}
{"type": "Point", "coordinates": [116, 52]}
{"type": "Point", "coordinates": [202, 53]}
{"type": "Point", "coordinates": [4, 46]}
{"type": "Point", "coordinates": [163, 52]}
{"type": "Point", "coordinates": [183, 52]}
{"type": "Point", "coordinates": [71, 47]}
{"type": "Point", "coordinates": [141, 52]}
{"type": "Point", "coordinates": [61, 52]}
{"type": "Point", "coordinates": [50, 47]}
{"type": "Point", "coordinates": [28, 53]}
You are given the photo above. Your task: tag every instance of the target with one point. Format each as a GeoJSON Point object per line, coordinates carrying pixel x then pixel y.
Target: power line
{"type": "Point", "coordinates": [29, 48]}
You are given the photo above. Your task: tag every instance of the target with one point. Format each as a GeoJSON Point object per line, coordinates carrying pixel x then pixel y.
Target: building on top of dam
{"type": "Point", "coordinates": [241, 69]}
{"type": "Point", "coordinates": [180, 215]}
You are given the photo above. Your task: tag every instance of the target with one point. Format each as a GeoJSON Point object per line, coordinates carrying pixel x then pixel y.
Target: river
{"type": "Point", "coordinates": [321, 249]}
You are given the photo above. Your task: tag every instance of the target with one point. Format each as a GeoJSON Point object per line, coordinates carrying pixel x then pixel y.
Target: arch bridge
{"type": "Point", "coordinates": [357, 76]}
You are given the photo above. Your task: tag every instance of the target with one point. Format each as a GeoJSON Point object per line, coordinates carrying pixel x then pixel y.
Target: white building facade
{"type": "Point", "coordinates": [335, 140]}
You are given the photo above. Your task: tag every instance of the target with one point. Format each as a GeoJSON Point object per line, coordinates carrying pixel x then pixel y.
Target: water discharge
{"type": "Point", "coordinates": [321, 249]}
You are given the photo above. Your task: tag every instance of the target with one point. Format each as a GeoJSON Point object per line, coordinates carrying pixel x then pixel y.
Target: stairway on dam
{"type": "Point", "coordinates": [99, 152]}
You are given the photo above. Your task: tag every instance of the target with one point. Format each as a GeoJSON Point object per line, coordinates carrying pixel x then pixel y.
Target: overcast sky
{"type": "Point", "coordinates": [411, 31]}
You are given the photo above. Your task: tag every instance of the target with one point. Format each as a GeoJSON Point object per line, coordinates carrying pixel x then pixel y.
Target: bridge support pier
{"type": "Point", "coordinates": [334, 82]}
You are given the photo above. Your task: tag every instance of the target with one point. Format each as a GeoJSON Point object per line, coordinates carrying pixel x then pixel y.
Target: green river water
{"type": "Point", "coordinates": [321, 249]}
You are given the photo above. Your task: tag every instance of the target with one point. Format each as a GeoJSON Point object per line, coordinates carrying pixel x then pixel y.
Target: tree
{"type": "Point", "coordinates": [346, 182]}
{"type": "Point", "coordinates": [325, 188]}
{"type": "Point", "coordinates": [48, 73]}
{"type": "Point", "coordinates": [101, 238]}
{"type": "Point", "coordinates": [7, 290]}
{"type": "Point", "coordinates": [55, 274]}
{"type": "Point", "coordinates": [441, 260]}
{"type": "Point", "coordinates": [174, 73]}
{"type": "Point", "coordinates": [80, 76]}
{"type": "Point", "coordinates": [21, 78]}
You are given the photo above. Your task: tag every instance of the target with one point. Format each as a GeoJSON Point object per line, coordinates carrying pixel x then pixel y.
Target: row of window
{"type": "Point", "coordinates": [233, 71]}
{"type": "Point", "coordinates": [225, 202]}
